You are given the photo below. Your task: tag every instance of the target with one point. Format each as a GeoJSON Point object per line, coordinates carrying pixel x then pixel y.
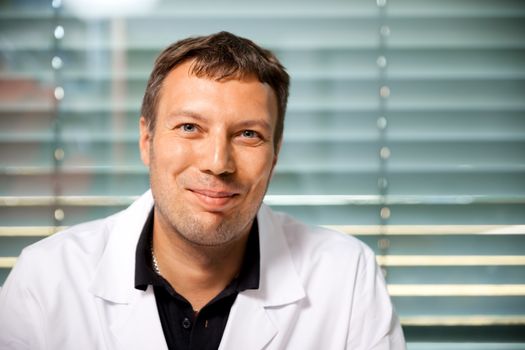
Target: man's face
{"type": "Point", "coordinates": [211, 155]}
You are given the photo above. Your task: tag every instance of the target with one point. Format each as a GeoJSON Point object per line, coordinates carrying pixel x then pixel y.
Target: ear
{"type": "Point", "coordinates": [145, 140]}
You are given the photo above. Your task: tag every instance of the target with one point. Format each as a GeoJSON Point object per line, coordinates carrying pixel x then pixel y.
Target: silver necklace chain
{"type": "Point", "coordinates": [154, 262]}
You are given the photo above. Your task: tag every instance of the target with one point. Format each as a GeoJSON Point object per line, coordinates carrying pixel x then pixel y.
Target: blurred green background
{"type": "Point", "coordinates": [405, 127]}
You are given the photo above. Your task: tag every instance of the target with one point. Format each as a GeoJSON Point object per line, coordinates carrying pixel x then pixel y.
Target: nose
{"type": "Point", "coordinates": [218, 157]}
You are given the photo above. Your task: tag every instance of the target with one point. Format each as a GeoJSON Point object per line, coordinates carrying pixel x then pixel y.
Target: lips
{"type": "Point", "coordinates": [214, 200]}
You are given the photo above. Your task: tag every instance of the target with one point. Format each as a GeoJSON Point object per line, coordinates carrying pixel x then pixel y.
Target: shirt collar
{"type": "Point", "coordinates": [249, 274]}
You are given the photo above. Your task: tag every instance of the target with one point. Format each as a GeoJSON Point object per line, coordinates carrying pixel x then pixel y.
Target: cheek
{"type": "Point", "coordinates": [169, 156]}
{"type": "Point", "coordinates": [258, 169]}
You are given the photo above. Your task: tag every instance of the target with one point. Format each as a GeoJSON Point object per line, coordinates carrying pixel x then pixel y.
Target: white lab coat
{"type": "Point", "coordinates": [318, 290]}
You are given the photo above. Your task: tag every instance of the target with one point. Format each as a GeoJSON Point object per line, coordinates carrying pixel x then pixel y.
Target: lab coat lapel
{"type": "Point", "coordinates": [249, 326]}
{"type": "Point", "coordinates": [251, 322]}
{"type": "Point", "coordinates": [137, 325]}
{"type": "Point", "coordinates": [130, 314]}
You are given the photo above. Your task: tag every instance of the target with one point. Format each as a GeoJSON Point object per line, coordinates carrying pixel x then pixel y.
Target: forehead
{"type": "Point", "coordinates": [183, 89]}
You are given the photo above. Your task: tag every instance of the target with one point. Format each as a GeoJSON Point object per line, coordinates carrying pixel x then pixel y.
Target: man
{"type": "Point", "coordinates": [198, 262]}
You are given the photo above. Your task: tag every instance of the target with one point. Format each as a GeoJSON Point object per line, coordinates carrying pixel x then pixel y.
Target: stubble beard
{"type": "Point", "coordinates": [195, 230]}
{"type": "Point", "coordinates": [179, 220]}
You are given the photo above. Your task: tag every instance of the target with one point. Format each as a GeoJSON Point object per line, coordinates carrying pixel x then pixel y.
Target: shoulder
{"type": "Point", "coordinates": [77, 248]}
{"type": "Point", "coordinates": [85, 238]}
{"type": "Point", "coordinates": [334, 269]}
{"type": "Point", "coordinates": [89, 239]}
{"type": "Point", "coordinates": [323, 248]}
{"type": "Point", "coordinates": [318, 239]}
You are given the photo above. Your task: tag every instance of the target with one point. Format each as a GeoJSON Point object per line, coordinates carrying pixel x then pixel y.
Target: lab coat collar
{"type": "Point", "coordinates": [279, 282]}
{"type": "Point", "coordinates": [114, 279]}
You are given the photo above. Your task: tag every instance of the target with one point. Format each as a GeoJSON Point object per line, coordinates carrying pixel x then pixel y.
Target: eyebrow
{"type": "Point", "coordinates": [186, 113]}
{"type": "Point", "coordinates": [249, 123]}
{"type": "Point", "coordinates": [255, 122]}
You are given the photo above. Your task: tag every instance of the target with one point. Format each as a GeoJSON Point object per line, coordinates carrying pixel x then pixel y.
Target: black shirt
{"type": "Point", "coordinates": [182, 327]}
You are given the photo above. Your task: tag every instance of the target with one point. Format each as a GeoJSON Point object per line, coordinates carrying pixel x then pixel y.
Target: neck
{"type": "Point", "coordinates": [196, 272]}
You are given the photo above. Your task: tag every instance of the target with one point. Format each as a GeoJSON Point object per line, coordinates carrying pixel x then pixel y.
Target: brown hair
{"type": "Point", "coordinates": [219, 56]}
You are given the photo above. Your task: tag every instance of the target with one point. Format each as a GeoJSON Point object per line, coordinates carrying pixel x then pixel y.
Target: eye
{"type": "Point", "coordinates": [188, 127]}
{"type": "Point", "coordinates": [250, 134]}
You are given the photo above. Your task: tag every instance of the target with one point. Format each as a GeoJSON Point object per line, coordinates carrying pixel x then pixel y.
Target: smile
{"type": "Point", "coordinates": [214, 200]}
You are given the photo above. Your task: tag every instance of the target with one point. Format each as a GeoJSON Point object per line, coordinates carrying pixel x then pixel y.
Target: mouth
{"type": "Point", "coordinates": [214, 200]}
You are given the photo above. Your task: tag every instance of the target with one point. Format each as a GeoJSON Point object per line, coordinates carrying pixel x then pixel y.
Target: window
{"type": "Point", "coordinates": [406, 127]}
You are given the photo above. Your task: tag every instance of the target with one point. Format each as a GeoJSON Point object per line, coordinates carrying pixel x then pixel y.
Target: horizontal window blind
{"type": "Point", "coordinates": [405, 127]}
